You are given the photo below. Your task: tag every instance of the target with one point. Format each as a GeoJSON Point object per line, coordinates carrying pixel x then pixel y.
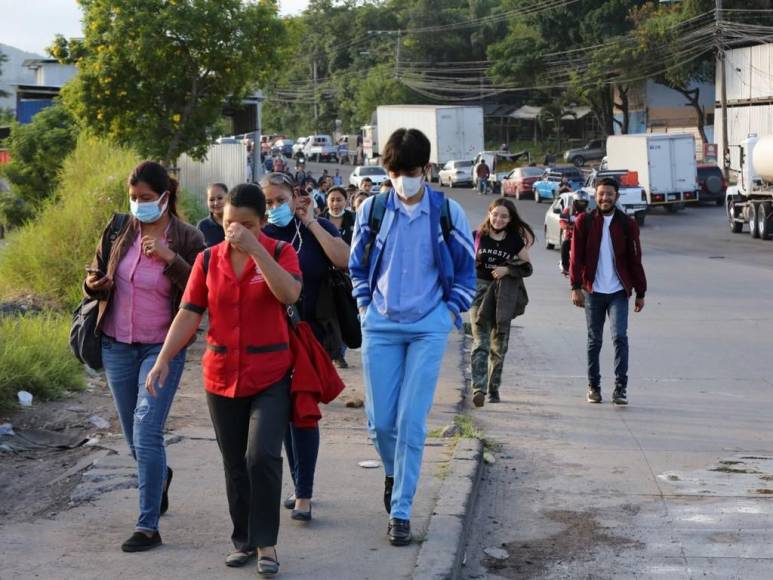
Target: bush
{"type": "Point", "coordinates": [47, 257]}
{"type": "Point", "coordinates": [190, 208]}
{"type": "Point", "coordinates": [35, 357]}
{"type": "Point", "coordinates": [37, 152]}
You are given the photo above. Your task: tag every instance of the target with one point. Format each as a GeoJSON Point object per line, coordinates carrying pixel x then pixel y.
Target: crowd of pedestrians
{"type": "Point", "coordinates": [260, 267]}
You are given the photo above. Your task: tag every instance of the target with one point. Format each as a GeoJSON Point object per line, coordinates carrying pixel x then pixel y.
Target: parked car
{"type": "Point", "coordinates": [298, 147]}
{"type": "Point", "coordinates": [593, 151]}
{"type": "Point", "coordinates": [547, 187]}
{"type": "Point", "coordinates": [553, 232]}
{"type": "Point", "coordinates": [712, 185]}
{"type": "Point", "coordinates": [632, 199]}
{"type": "Point", "coordinates": [456, 173]}
{"type": "Point", "coordinates": [376, 173]}
{"type": "Point", "coordinates": [320, 148]}
{"type": "Point", "coordinates": [282, 147]}
{"type": "Point", "coordinates": [520, 181]}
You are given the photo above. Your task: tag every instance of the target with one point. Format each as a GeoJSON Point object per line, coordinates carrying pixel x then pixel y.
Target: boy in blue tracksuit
{"type": "Point", "coordinates": [412, 277]}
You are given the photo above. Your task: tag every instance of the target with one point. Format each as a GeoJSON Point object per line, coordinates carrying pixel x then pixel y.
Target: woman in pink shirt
{"type": "Point", "coordinates": [139, 292]}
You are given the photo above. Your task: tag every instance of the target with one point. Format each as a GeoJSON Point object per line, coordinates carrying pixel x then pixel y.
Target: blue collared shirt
{"type": "Point", "coordinates": [408, 286]}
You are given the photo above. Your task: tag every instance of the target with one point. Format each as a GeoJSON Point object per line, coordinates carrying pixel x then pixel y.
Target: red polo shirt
{"type": "Point", "coordinates": [248, 338]}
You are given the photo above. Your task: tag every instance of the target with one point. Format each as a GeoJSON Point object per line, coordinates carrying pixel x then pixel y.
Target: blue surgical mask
{"type": "Point", "coordinates": [280, 216]}
{"type": "Point", "coordinates": [147, 212]}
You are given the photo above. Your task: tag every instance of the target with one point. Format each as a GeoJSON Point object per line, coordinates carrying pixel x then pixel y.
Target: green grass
{"type": "Point", "coordinates": [46, 257]}
{"type": "Point", "coordinates": [35, 357]}
{"type": "Point", "coordinates": [468, 427]}
{"type": "Point", "coordinates": [190, 207]}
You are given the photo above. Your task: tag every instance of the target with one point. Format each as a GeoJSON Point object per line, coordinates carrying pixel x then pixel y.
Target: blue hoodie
{"type": "Point", "coordinates": [455, 259]}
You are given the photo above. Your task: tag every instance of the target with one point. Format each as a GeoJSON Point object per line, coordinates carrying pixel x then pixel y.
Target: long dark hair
{"type": "Point", "coordinates": [516, 225]}
{"type": "Point", "coordinates": [159, 181]}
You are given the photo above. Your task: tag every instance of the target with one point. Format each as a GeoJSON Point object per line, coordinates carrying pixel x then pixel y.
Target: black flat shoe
{"type": "Point", "coordinates": [140, 542]}
{"type": "Point", "coordinates": [289, 503]}
{"type": "Point", "coordinates": [399, 532]}
{"type": "Point", "coordinates": [238, 558]}
{"type": "Point", "coordinates": [268, 566]}
{"type": "Point", "coordinates": [165, 495]}
{"type": "Point", "coordinates": [389, 483]}
{"type": "Point", "coordinates": [301, 516]}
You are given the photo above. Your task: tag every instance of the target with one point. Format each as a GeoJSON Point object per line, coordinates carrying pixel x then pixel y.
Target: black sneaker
{"type": "Point", "coordinates": [399, 532]}
{"type": "Point", "coordinates": [619, 397]}
{"type": "Point", "coordinates": [341, 363]}
{"type": "Point", "coordinates": [594, 394]}
{"type": "Point", "coordinates": [389, 483]}
{"type": "Point", "coordinates": [479, 398]}
{"type": "Point", "coordinates": [140, 542]}
{"type": "Point", "coordinates": [494, 398]}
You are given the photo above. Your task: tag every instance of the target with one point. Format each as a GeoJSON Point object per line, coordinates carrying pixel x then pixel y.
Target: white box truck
{"type": "Point", "coordinates": [751, 200]}
{"type": "Point", "coordinates": [665, 163]}
{"type": "Point", "coordinates": [455, 133]}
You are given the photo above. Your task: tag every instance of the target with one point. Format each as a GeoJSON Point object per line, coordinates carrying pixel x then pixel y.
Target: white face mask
{"type": "Point", "coordinates": [407, 187]}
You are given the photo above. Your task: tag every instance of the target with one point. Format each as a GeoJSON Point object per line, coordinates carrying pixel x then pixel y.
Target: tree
{"type": "Point", "coordinates": [155, 74]}
{"type": "Point", "coordinates": [37, 151]}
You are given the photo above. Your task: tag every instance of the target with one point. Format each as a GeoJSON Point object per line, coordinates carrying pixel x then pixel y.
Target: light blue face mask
{"type": "Point", "coordinates": [147, 212]}
{"type": "Point", "coordinates": [280, 216]}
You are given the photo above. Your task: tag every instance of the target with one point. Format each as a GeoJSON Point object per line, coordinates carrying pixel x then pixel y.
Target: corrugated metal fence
{"type": "Point", "coordinates": [224, 163]}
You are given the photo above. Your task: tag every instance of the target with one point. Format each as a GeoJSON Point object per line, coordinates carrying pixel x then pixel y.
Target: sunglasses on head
{"type": "Point", "coordinates": [277, 178]}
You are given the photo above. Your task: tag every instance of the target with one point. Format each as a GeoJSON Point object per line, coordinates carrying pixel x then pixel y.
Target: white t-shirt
{"type": "Point", "coordinates": [411, 209]}
{"type": "Point", "coordinates": [607, 281]}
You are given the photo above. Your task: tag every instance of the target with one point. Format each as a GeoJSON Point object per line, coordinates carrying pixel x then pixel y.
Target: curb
{"type": "Point", "coordinates": [441, 555]}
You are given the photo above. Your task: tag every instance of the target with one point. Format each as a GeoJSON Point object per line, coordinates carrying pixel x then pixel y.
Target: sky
{"type": "Point", "coordinates": [32, 24]}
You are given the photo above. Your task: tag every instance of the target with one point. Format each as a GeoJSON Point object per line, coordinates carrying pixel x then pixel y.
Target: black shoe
{"type": "Point", "coordinates": [619, 397]}
{"type": "Point", "coordinates": [289, 503]}
{"type": "Point", "coordinates": [494, 398]}
{"type": "Point", "coordinates": [301, 516]}
{"type": "Point", "coordinates": [399, 532]}
{"type": "Point", "coordinates": [341, 363]}
{"type": "Point", "coordinates": [479, 398]}
{"type": "Point", "coordinates": [389, 483]}
{"type": "Point", "coordinates": [140, 542]}
{"type": "Point", "coordinates": [165, 495]}
{"type": "Point", "coordinates": [594, 394]}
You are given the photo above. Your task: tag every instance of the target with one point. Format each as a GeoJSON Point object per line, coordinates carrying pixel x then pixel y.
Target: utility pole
{"type": "Point", "coordinates": [725, 149]}
{"type": "Point", "coordinates": [397, 57]}
{"type": "Point", "coordinates": [316, 110]}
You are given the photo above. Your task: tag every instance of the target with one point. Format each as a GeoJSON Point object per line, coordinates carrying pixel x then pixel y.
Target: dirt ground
{"type": "Point", "coordinates": [38, 483]}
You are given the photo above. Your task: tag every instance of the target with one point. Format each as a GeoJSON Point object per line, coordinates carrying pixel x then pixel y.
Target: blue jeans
{"type": "Point", "coordinates": [142, 416]}
{"type": "Point", "coordinates": [401, 363]}
{"type": "Point", "coordinates": [302, 449]}
{"type": "Point", "coordinates": [597, 307]}
{"type": "Point", "coordinates": [482, 185]}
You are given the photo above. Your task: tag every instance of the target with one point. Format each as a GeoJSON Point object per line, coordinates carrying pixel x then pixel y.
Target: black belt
{"type": "Point", "coordinates": [280, 346]}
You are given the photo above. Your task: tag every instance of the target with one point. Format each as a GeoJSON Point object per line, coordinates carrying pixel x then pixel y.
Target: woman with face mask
{"type": "Point", "coordinates": [338, 215]}
{"type": "Point", "coordinates": [501, 252]}
{"type": "Point", "coordinates": [245, 285]}
{"type": "Point", "coordinates": [319, 246]}
{"type": "Point", "coordinates": [139, 293]}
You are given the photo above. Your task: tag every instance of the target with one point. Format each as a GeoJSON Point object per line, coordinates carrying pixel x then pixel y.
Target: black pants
{"type": "Point", "coordinates": [566, 248]}
{"type": "Point", "coordinates": [249, 433]}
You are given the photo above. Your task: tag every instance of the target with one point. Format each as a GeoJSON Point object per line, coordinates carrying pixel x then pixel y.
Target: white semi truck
{"type": "Point", "coordinates": [751, 200]}
{"type": "Point", "coordinates": [455, 133]}
{"type": "Point", "coordinates": [665, 163]}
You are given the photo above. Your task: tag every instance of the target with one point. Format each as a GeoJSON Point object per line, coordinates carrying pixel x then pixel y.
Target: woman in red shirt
{"type": "Point", "coordinates": [246, 365]}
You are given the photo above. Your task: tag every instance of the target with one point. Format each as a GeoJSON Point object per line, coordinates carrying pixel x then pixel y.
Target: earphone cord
{"type": "Point", "coordinates": [297, 236]}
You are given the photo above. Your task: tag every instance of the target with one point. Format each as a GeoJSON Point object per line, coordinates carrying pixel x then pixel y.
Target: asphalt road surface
{"type": "Point", "coordinates": [679, 483]}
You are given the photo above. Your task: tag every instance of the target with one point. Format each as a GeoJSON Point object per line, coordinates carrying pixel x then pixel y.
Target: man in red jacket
{"type": "Point", "coordinates": [605, 269]}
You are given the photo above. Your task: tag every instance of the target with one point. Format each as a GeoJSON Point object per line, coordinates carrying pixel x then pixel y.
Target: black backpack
{"type": "Point", "coordinates": [85, 339]}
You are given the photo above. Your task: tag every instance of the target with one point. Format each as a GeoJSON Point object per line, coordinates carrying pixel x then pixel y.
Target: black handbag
{"type": "Point", "coordinates": [85, 338]}
{"type": "Point", "coordinates": [345, 307]}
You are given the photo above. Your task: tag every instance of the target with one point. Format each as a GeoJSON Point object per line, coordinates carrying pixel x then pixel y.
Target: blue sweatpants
{"type": "Point", "coordinates": [401, 363]}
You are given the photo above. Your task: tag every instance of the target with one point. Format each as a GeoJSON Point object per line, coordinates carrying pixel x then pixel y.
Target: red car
{"type": "Point", "coordinates": [520, 180]}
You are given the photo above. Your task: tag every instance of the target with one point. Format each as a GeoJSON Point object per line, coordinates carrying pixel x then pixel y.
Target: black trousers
{"type": "Point", "coordinates": [249, 432]}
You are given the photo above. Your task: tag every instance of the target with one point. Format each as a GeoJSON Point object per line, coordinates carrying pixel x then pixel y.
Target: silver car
{"type": "Point", "coordinates": [455, 173]}
{"type": "Point", "coordinates": [593, 151]}
{"type": "Point", "coordinates": [554, 235]}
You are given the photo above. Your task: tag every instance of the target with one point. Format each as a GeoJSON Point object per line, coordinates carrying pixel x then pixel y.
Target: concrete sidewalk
{"type": "Point", "coordinates": [346, 539]}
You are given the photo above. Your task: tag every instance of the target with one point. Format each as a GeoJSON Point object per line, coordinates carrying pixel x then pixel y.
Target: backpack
{"type": "Point", "coordinates": [85, 340]}
{"type": "Point", "coordinates": [378, 209]}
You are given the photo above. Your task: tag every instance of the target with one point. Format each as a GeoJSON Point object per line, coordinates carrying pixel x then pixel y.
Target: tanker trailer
{"type": "Point", "coordinates": [751, 200]}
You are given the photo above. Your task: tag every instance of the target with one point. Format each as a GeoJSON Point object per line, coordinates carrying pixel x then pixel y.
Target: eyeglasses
{"type": "Point", "coordinates": [277, 178]}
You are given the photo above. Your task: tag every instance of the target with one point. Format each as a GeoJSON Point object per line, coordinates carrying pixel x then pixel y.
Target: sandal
{"type": "Point", "coordinates": [268, 566]}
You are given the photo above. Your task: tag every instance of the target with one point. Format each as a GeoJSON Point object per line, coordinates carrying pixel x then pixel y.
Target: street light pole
{"type": "Point", "coordinates": [257, 166]}
{"type": "Point", "coordinates": [722, 90]}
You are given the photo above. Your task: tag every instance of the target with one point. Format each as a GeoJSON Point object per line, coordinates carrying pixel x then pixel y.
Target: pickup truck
{"type": "Point", "coordinates": [633, 198]}
{"type": "Point", "coordinates": [320, 148]}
